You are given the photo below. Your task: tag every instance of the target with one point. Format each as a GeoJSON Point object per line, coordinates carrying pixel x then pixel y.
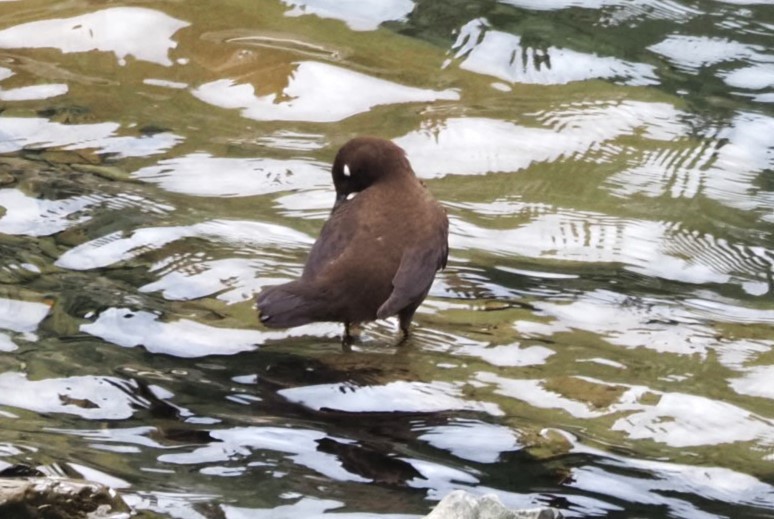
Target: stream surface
{"type": "Point", "coordinates": [602, 340]}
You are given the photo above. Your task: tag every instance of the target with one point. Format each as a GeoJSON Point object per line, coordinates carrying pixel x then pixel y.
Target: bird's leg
{"type": "Point", "coordinates": [346, 339]}
{"type": "Point", "coordinates": [405, 325]}
{"type": "Point", "coordinates": [351, 333]}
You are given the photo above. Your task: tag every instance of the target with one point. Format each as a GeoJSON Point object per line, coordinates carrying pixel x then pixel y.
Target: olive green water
{"type": "Point", "coordinates": [601, 340]}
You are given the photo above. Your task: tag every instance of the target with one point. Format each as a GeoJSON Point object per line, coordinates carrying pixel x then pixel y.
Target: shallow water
{"type": "Point", "coordinates": [601, 340]}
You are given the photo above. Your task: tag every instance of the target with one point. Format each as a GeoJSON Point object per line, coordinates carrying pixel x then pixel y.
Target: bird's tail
{"type": "Point", "coordinates": [283, 306]}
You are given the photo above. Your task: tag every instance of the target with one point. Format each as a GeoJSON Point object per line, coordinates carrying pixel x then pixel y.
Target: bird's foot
{"type": "Point", "coordinates": [351, 335]}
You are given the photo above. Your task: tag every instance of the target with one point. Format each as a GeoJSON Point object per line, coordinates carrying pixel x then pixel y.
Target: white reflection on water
{"type": "Point", "coordinates": [676, 419]}
{"type": "Point", "coordinates": [176, 505]}
{"type": "Point", "coordinates": [117, 246]}
{"type": "Point", "coordinates": [596, 238]}
{"type": "Point", "coordinates": [625, 9]}
{"type": "Point", "coordinates": [656, 324]}
{"type": "Point", "coordinates": [475, 145]}
{"type": "Point", "coordinates": [553, 5]}
{"type": "Point", "coordinates": [682, 420]}
{"type": "Point", "coordinates": [511, 355]}
{"type": "Point", "coordinates": [533, 393]}
{"type": "Point", "coordinates": [33, 92]}
{"type": "Point", "coordinates": [666, 483]}
{"type": "Point", "coordinates": [634, 322]}
{"type": "Point", "coordinates": [307, 508]}
{"type": "Point", "coordinates": [359, 15]}
{"type": "Point", "coordinates": [650, 248]}
{"type": "Point", "coordinates": [183, 338]}
{"type": "Point", "coordinates": [439, 481]}
{"type": "Point", "coordinates": [316, 92]}
{"type": "Point", "coordinates": [502, 55]}
{"type": "Point", "coordinates": [201, 174]}
{"type": "Point", "coordinates": [290, 140]}
{"type": "Point", "coordinates": [6, 344]}
{"type": "Point", "coordinates": [33, 216]}
{"type": "Point", "coordinates": [755, 77]}
{"type": "Point", "coordinates": [313, 204]}
{"type": "Point", "coordinates": [726, 173]}
{"type": "Point", "coordinates": [470, 440]}
{"type": "Point", "coordinates": [693, 52]}
{"type": "Point", "coordinates": [145, 34]}
{"type": "Point", "coordinates": [730, 312]}
{"type": "Point", "coordinates": [92, 474]}
{"type": "Point", "coordinates": [187, 338]}
{"type": "Point", "coordinates": [184, 278]}
{"type": "Point", "coordinates": [90, 397]}
{"type": "Point", "coordinates": [757, 381]}
{"type": "Point", "coordinates": [176, 85]}
{"type": "Point", "coordinates": [398, 396]}
{"type": "Point", "coordinates": [117, 439]}
{"type": "Point", "coordinates": [240, 442]}
{"type": "Point", "coordinates": [21, 317]}
{"type": "Point", "coordinates": [17, 133]}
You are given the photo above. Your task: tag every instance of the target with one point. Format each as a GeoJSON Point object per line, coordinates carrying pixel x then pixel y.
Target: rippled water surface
{"type": "Point", "coordinates": [601, 340]}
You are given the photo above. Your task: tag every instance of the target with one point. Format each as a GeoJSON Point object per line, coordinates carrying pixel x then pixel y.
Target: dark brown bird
{"type": "Point", "coordinates": [377, 254]}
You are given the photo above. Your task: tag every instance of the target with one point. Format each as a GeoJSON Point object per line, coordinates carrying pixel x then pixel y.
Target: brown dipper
{"type": "Point", "coordinates": [377, 254]}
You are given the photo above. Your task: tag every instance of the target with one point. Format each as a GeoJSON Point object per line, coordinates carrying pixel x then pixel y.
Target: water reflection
{"type": "Point", "coordinates": [191, 174]}
{"type": "Point", "coordinates": [756, 381]}
{"type": "Point", "coordinates": [91, 397]}
{"type": "Point", "coordinates": [478, 145]}
{"type": "Point", "coordinates": [399, 396]}
{"type": "Point", "coordinates": [29, 132]}
{"type": "Point", "coordinates": [145, 34]}
{"type": "Point", "coordinates": [316, 92]}
{"type": "Point", "coordinates": [184, 337]}
{"type": "Point", "coordinates": [756, 77]}
{"type": "Point", "coordinates": [33, 92]}
{"type": "Point", "coordinates": [359, 15]}
{"type": "Point", "coordinates": [676, 419]}
{"type": "Point", "coordinates": [470, 440]}
{"type": "Point", "coordinates": [606, 168]}
{"type": "Point", "coordinates": [502, 55]}
{"type": "Point", "coordinates": [669, 484]}
{"type": "Point", "coordinates": [724, 167]}
{"type": "Point", "coordinates": [648, 248]}
{"type": "Point", "coordinates": [693, 52]}
{"type": "Point", "coordinates": [117, 247]}
{"type": "Point", "coordinates": [20, 317]}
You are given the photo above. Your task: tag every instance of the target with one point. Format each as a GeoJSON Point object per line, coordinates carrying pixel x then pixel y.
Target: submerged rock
{"type": "Point", "coordinates": [59, 498]}
{"type": "Point", "coordinates": [462, 505]}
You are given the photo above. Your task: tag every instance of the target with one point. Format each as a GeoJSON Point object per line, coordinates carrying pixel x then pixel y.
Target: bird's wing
{"type": "Point", "coordinates": [416, 272]}
{"type": "Point", "coordinates": [333, 241]}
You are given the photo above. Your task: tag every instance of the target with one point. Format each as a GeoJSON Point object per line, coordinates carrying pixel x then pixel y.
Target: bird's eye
{"type": "Point", "coordinates": [347, 172]}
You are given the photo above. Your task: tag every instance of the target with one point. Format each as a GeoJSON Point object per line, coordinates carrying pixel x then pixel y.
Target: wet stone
{"type": "Point", "coordinates": [294, 371]}
{"type": "Point", "coordinates": [370, 462]}
{"type": "Point", "coordinates": [152, 129]}
{"type": "Point", "coordinates": [107, 172]}
{"type": "Point", "coordinates": [546, 444]}
{"type": "Point", "coordinates": [462, 505]}
{"type": "Point", "coordinates": [58, 498]}
{"type": "Point", "coordinates": [67, 114]}
{"type": "Point", "coordinates": [70, 157]}
{"type": "Point", "coordinates": [600, 396]}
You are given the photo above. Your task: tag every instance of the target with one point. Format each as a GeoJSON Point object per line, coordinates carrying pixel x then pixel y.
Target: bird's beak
{"type": "Point", "coordinates": [340, 199]}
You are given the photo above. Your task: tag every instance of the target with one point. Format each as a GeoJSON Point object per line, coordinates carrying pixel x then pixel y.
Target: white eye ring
{"type": "Point", "coordinates": [347, 172]}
